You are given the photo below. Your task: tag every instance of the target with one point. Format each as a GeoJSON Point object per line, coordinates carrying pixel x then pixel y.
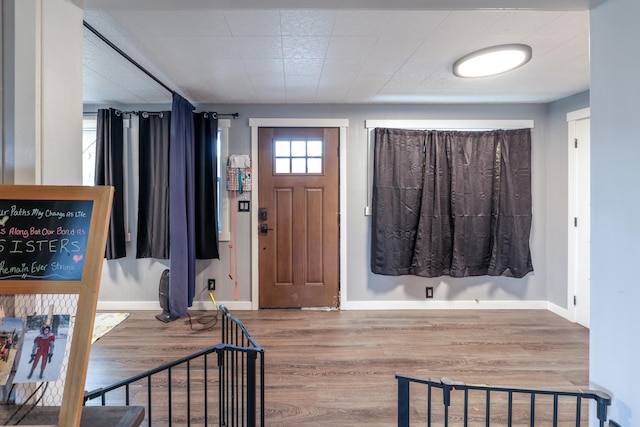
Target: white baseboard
{"type": "Point", "coordinates": [359, 305]}
{"type": "Point", "coordinates": [444, 305]}
{"type": "Point", "coordinates": [155, 306]}
{"type": "Point", "coordinates": [562, 312]}
{"type": "Point", "coordinates": [231, 305]}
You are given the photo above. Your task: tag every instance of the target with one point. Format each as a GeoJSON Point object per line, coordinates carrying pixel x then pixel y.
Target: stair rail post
{"type": "Point", "coordinates": [403, 401]}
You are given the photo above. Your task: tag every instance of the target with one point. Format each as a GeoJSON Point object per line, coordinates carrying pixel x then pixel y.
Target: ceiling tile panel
{"type": "Point", "coordinates": [396, 46]}
{"type": "Point", "coordinates": [415, 24]}
{"type": "Point", "coordinates": [383, 65]}
{"type": "Point", "coordinates": [266, 86]}
{"type": "Point", "coordinates": [519, 24]}
{"type": "Point", "coordinates": [350, 47]}
{"type": "Point", "coordinates": [366, 87]}
{"type": "Point", "coordinates": [301, 88]}
{"type": "Point", "coordinates": [360, 23]}
{"type": "Point", "coordinates": [345, 68]}
{"type": "Point", "coordinates": [264, 67]}
{"type": "Point", "coordinates": [301, 91]}
{"type": "Point", "coordinates": [259, 47]}
{"type": "Point", "coordinates": [174, 22]}
{"type": "Point", "coordinates": [304, 46]}
{"type": "Point", "coordinates": [254, 22]}
{"type": "Point", "coordinates": [317, 23]}
{"type": "Point", "coordinates": [332, 90]}
{"type": "Point", "coordinates": [224, 69]}
{"type": "Point", "coordinates": [303, 66]}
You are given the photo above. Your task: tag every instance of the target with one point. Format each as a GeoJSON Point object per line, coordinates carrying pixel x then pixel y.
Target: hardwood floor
{"type": "Point", "coordinates": [337, 368]}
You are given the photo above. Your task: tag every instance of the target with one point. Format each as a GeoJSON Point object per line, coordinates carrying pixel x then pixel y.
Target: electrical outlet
{"type": "Point", "coordinates": [428, 292]}
{"type": "Point", "coordinates": [211, 284]}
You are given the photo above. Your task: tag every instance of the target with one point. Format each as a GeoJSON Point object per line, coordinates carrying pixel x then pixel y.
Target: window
{"type": "Point", "coordinates": [89, 129]}
{"type": "Point", "coordinates": [424, 178]}
{"type": "Point", "coordinates": [298, 156]}
{"type": "Point", "coordinates": [224, 234]}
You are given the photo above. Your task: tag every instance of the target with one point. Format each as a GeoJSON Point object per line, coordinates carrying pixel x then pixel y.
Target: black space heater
{"type": "Point", "coordinates": [163, 296]}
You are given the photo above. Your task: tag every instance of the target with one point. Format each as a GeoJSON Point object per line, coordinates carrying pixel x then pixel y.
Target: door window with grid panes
{"type": "Point", "coordinates": [298, 156]}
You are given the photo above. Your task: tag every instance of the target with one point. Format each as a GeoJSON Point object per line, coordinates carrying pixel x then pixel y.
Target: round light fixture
{"type": "Point", "coordinates": [492, 60]}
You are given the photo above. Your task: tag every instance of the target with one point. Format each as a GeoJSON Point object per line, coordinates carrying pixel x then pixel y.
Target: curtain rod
{"type": "Point", "coordinates": [216, 115]}
{"type": "Point", "coordinates": [127, 57]}
{"type": "Point", "coordinates": [146, 114]}
{"type": "Point", "coordinates": [234, 115]}
{"type": "Point", "coordinates": [140, 67]}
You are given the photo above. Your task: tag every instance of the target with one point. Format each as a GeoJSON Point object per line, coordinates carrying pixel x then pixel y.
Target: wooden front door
{"type": "Point", "coordinates": [298, 217]}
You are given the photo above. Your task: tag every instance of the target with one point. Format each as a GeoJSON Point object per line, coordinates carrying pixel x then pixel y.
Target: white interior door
{"type": "Point", "coordinates": [580, 216]}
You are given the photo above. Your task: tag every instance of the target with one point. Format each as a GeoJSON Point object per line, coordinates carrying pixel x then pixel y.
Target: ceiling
{"type": "Point", "coordinates": [232, 52]}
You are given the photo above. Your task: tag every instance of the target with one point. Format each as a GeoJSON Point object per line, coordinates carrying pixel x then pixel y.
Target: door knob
{"type": "Point", "coordinates": [264, 228]}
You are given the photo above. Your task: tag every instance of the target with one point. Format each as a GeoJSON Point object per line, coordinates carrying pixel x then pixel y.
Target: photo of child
{"type": "Point", "coordinates": [43, 348]}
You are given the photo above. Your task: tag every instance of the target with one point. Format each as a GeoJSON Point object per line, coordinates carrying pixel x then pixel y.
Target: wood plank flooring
{"type": "Point", "coordinates": [337, 368]}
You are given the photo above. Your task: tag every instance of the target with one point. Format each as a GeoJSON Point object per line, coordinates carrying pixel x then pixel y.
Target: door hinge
{"type": "Point", "coordinates": [575, 142]}
{"type": "Point", "coordinates": [575, 221]}
{"type": "Point", "coordinates": [574, 300]}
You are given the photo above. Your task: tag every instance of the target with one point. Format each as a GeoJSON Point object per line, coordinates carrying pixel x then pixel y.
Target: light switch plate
{"type": "Point", "coordinates": [244, 205]}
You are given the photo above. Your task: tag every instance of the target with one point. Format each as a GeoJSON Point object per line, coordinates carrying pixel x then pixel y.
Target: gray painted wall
{"type": "Point", "coordinates": [557, 196]}
{"type": "Point", "coordinates": [615, 227]}
{"type": "Point", "coordinates": [131, 280]}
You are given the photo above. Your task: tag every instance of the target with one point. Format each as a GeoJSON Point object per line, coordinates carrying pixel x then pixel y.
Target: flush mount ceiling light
{"type": "Point", "coordinates": [492, 60]}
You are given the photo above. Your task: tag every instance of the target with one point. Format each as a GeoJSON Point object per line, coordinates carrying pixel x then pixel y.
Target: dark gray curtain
{"type": "Point", "coordinates": [451, 203]}
{"type": "Point", "coordinates": [206, 181]}
{"type": "Point", "coordinates": [181, 207]}
{"type": "Point", "coordinates": [397, 194]}
{"type": "Point", "coordinates": [153, 189]}
{"type": "Point", "coordinates": [110, 171]}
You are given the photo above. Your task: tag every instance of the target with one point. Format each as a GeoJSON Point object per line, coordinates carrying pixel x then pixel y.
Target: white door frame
{"type": "Point", "coordinates": [343, 124]}
{"type": "Point", "coordinates": [574, 263]}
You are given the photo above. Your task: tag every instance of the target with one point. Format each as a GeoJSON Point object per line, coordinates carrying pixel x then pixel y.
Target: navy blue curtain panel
{"type": "Point", "coordinates": [181, 208]}
{"type": "Point", "coordinates": [206, 182]}
{"type": "Point", "coordinates": [153, 186]}
{"type": "Point", "coordinates": [109, 170]}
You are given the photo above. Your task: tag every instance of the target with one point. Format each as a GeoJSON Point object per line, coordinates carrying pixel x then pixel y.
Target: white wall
{"type": "Point", "coordinates": [615, 206]}
{"type": "Point", "coordinates": [61, 126]}
{"type": "Point", "coordinates": [43, 100]}
{"type": "Point", "coordinates": [22, 75]}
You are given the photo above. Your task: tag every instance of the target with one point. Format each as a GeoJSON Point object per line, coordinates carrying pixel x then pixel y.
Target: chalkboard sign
{"type": "Point", "coordinates": [44, 239]}
{"type": "Point", "coordinates": [52, 241]}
